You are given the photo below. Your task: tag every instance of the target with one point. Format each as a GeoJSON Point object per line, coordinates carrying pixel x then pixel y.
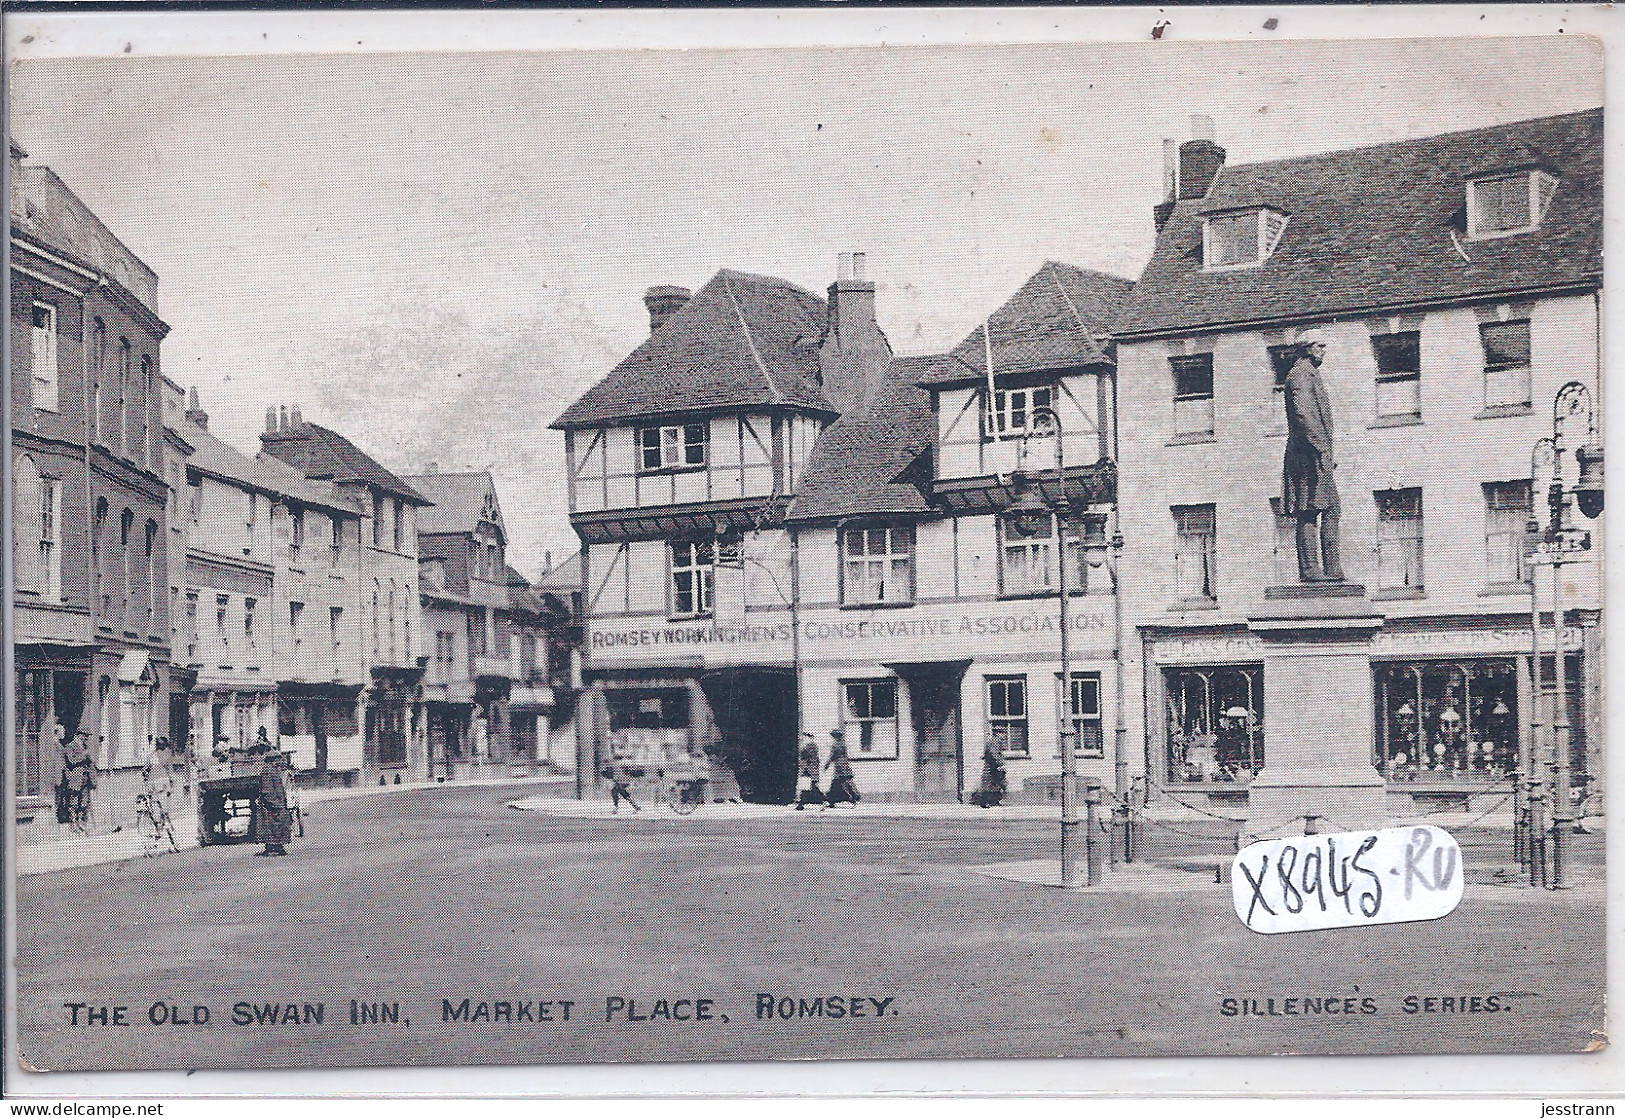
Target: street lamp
{"type": "Point", "coordinates": [1099, 551]}
{"type": "Point", "coordinates": [1027, 513]}
{"type": "Point", "coordinates": [1560, 545]}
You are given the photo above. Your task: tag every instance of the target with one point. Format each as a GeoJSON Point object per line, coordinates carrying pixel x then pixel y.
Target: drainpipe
{"type": "Point", "coordinates": [795, 627]}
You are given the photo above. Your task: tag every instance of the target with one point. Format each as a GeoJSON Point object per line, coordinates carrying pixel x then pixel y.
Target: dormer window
{"type": "Point", "coordinates": [1504, 205]}
{"type": "Point", "coordinates": [672, 448]}
{"type": "Point", "coordinates": [1241, 239]}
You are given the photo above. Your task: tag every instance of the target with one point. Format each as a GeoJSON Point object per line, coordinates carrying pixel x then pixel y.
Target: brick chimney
{"type": "Point", "coordinates": [855, 354]}
{"type": "Point", "coordinates": [194, 411]}
{"type": "Point", "coordinates": [663, 302]}
{"type": "Point", "coordinates": [1199, 160]}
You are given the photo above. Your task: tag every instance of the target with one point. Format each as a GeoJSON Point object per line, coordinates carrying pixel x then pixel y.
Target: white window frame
{"type": "Point", "coordinates": [50, 541]}
{"type": "Point", "coordinates": [695, 560]}
{"type": "Point", "coordinates": [1038, 554]}
{"type": "Point", "coordinates": [1385, 381]}
{"type": "Point", "coordinates": [1002, 724]}
{"type": "Point", "coordinates": [1398, 542]}
{"type": "Point", "coordinates": [1540, 185]}
{"type": "Point", "coordinates": [1268, 228]}
{"type": "Point", "coordinates": [1508, 506]}
{"type": "Point", "coordinates": [877, 564]}
{"type": "Point", "coordinates": [1200, 548]}
{"type": "Point", "coordinates": [1193, 412]}
{"type": "Point", "coordinates": [1010, 415]}
{"type": "Point", "coordinates": [43, 357]}
{"type": "Point", "coordinates": [674, 446]}
{"type": "Point", "coordinates": [1085, 692]}
{"type": "Point", "coordinates": [1518, 376]}
{"type": "Point", "coordinates": [869, 738]}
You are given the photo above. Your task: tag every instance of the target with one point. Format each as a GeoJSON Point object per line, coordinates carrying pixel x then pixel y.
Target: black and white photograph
{"type": "Point", "coordinates": [884, 550]}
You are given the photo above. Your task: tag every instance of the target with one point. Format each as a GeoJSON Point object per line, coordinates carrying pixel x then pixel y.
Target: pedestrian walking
{"type": "Point", "coordinates": [155, 800]}
{"type": "Point", "coordinates": [619, 788]}
{"type": "Point", "coordinates": [843, 787]}
{"type": "Point", "coordinates": [807, 774]}
{"type": "Point", "coordinates": [270, 820]}
{"type": "Point", "coordinates": [990, 793]}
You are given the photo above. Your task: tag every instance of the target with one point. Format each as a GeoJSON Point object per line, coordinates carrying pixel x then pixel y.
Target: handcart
{"type": "Point", "coordinates": [226, 794]}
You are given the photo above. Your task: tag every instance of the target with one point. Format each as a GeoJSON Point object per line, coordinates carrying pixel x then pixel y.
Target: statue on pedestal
{"type": "Point", "coordinates": [1308, 487]}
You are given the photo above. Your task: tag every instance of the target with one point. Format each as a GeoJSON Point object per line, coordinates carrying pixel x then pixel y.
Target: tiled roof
{"type": "Point", "coordinates": [1056, 320]}
{"type": "Point", "coordinates": [329, 456]}
{"type": "Point", "coordinates": [458, 501]}
{"type": "Point", "coordinates": [1379, 227]}
{"type": "Point", "coordinates": [741, 340]}
{"type": "Point", "coordinates": [266, 475]}
{"type": "Point", "coordinates": [879, 463]}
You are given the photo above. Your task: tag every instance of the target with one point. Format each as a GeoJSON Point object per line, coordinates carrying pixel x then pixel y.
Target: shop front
{"type": "Point", "coordinates": [1452, 705]}
{"type": "Point", "coordinates": [317, 723]}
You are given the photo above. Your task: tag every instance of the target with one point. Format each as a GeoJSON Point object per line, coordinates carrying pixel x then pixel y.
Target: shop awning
{"type": "Point", "coordinates": [133, 666]}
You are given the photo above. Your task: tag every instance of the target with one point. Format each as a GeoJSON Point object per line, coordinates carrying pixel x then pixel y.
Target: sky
{"type": "Point", "coordinates": [435, 253]}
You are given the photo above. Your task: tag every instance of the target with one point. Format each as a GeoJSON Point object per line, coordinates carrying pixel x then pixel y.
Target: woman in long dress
{"type": "Point", "coordinates": [807, 790]}
{"type": "Point", "coordinates": [843, 788]}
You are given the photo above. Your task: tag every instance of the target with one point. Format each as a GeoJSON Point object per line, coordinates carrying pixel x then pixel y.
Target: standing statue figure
{"type": "Point", "coordinates": [1308, 489]}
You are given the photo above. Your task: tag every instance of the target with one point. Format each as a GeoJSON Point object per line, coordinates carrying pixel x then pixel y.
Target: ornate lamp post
{"type": "Point", "coordinates": [1098, 552]}
{"type": "Point", "coordinates": [1559, 545]}
{"type": "Point", "coordinates": [1028, 512]}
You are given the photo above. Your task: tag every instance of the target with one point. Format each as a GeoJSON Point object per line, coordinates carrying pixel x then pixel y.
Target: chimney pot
{"type": "Point", "coordinates": [295, 419]}
{"type": "Point", "coordinates": [270, 418]}
{"type": "Point", "coordinates": [663, 302]}
{"type": "Point", "coordinates": [282, 418]}
{"type": "Point", "coordinates": [194, 411]}
{"type": "Point", "coordinates": [1202, 127]}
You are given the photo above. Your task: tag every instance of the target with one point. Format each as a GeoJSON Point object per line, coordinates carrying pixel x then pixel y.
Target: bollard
{"type": "Point", "coordinates": [1311, 824]}
{"type": "Point", "coordinates": [1537, 835]}
{"type": "Point", "coordinates": [1091, 829]}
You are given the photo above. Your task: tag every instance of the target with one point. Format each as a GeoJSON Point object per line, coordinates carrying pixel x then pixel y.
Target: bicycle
{"type": "Point", "coordinates": [156, 822]}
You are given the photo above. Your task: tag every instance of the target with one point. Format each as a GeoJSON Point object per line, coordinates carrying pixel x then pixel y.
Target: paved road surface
{"type": "Point", "coordinates": [421, 899]}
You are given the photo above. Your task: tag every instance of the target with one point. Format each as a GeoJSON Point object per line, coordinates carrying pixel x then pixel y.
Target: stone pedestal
{"type": "Point", "coordinates": [1317, 711]}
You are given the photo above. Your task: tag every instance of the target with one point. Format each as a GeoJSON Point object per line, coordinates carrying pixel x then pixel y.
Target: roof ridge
{"type": "Point", "coordinates": [727, 287]}
{"type": "Point", "coordinates": [1456, 135]}
{"type": "Point", "coordinates": [1049, 268]}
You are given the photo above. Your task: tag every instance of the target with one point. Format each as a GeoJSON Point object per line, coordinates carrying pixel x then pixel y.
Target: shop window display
{"type": "Point", "coordinates": [1215, 723]}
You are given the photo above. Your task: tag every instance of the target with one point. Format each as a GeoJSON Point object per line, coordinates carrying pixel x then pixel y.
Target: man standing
{"type": "Point", "coordinates": [1308, 489]}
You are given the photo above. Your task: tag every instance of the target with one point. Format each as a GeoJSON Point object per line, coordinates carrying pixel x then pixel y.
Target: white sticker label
{"type": "Point", "coordinates": [1347, 880]}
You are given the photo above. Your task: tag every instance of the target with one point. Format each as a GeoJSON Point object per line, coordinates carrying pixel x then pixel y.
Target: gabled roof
{"type": "Point", "coordinates": [329, 456]}
{"type": "Point", "coordinates": [459, 499]}
{"type": "Point", "coordinates": [874, 464]}
{"type": "Point", "coordinates": [220, 460]}
{"type": "Point", "coordinates": [1056, 320]}
{"type": "Point", "coordinates": [562, 578]}
{"type": "Point", "coordinates": [740, 341]}
{"type": "Point", "coordinates": [1382, 227]}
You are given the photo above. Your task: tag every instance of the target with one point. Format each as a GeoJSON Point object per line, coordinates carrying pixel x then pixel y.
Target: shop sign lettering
{"type": "Point", "coordinates": [1347, 880]}
{"type": "Point", "coordinates": [867, 629]}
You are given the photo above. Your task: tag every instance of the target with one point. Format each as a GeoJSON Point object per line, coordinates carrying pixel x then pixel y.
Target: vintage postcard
{"type": "Point", "coordinates": [1070, 549]}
